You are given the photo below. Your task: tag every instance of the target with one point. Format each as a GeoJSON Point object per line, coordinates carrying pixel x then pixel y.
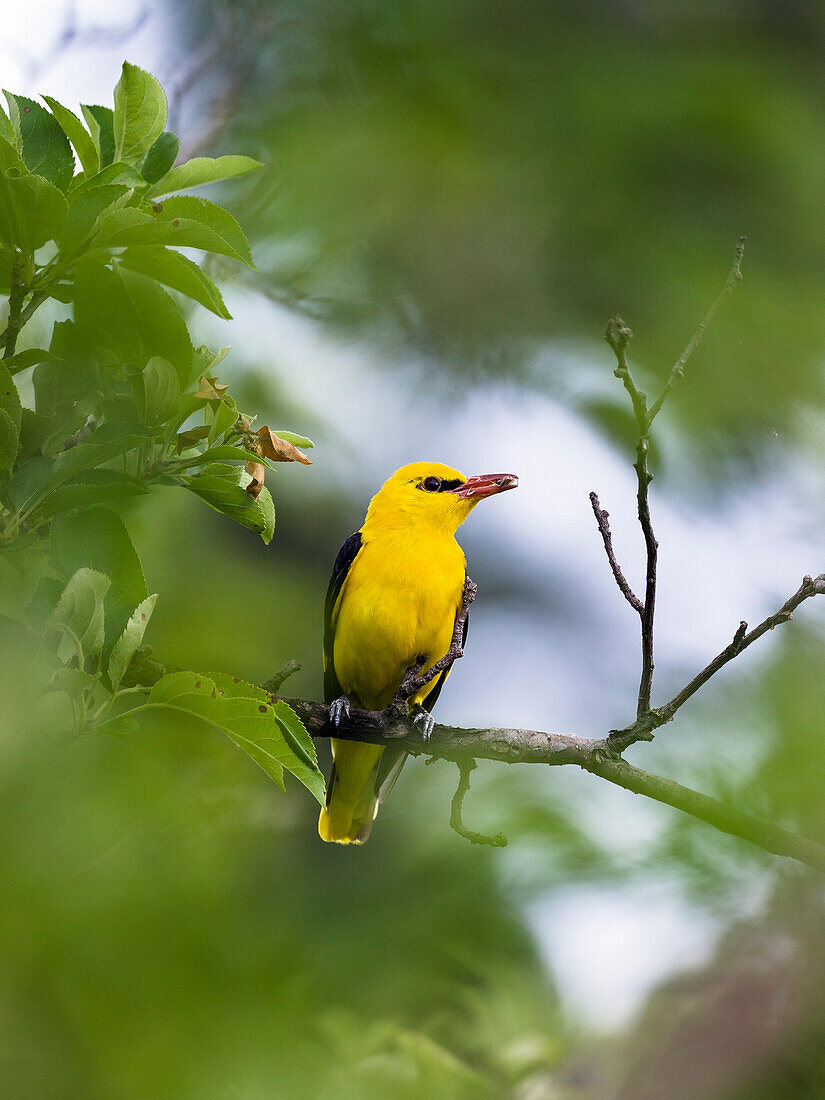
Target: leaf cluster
{"type": "Point", "coordinates": [91, 216]}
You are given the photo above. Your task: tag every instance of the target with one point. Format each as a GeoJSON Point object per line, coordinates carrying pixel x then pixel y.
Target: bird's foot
{"type": "Point", "coordinates": [426, 719]}
{"type": "Point", "coordinates": [339, 710]}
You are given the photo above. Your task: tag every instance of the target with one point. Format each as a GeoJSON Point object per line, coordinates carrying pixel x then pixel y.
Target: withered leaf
{"type": "Point", "coordinates": [257, 472]}
{"type": "Point", "coordinates": [210, 389]}
{"type": "Point", "coordinates": [279, 450]}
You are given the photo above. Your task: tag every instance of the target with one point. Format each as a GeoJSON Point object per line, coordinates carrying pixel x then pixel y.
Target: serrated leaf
{"type": "Point", "coordinates": [267, 506]}
{"type": "Point", "coordinates": [293, 437]}
{"type": "Point", "coordinates": [223, 492]}
{"type": "Point", "coordinates": [191, 223]}
{"type": "Point", "coordinates": [93, 487]}
{"type": "Point", "coordinates": [77, 134]}
{"type": "Point", "coordinates": [139, 115]}
{"type": "Point", "coordinates": [178, 272]}
{"type": "Point", "coordinates": [32, 210]}
{"type": "Point", "coordinates": [272, 736]}
{"type": "Point", "coordinates": [118, 174]}
{"type": "Point", "coordinates": [6, 128]}
{"type": "Point", "coordinates": [9, 441]}
{"type": "Point", "coordinates": [80, 609]}
{"type": "Point", "coordinates": [44, 146]}
{"type": "Point", "coordinates": [161, 389]}
{"type": "Point", "coordinates": [86, 207]}
{"type": "Point", "coordinates": [101, 446]}
{"type": "Point", "coordinates": [28, 358]}
{"type": "Point", "coordinates": [9, 397]}
{"type": "Point", "coordinates": [127, 644]}
{"type": "Point", "coordinates": [101, 542]}
{"type": "Point", "coordinates": [304, 765]}
{"type": "Point", "coordinates": [202, 170]}
{"type": "Point", "coordinates": [160, 158]}
{"type": "Point", "coordinates": [72, 681]}
{"type": "Point", "coordinates": [100, 121]}
{"type": "Point", "coordinates": [224, 415]}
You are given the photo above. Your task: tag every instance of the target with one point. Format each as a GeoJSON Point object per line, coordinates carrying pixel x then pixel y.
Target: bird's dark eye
{"type": "Point", "coordinates": [431, 484]}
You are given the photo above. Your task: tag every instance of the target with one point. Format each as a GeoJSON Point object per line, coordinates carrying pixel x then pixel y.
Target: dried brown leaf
{"type": "Point", "coordinates": [279, 450]}
{"type": "Point", "coordinates": [210, 389]}
{"type": "Point", "coordinates": [257, 472]}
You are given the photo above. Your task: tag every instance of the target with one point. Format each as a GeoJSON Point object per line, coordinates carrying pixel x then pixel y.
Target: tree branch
{"type": "Point", "coordinates": [604, 527]}
{"type": "Point", "coordinates": [414, 681]}
{"type": "Point", "coordinates": [457, 821]}
{"type": "Point", "coordinates": [642, 728]}
{"type": "Point", "coordinates": [534, 747]}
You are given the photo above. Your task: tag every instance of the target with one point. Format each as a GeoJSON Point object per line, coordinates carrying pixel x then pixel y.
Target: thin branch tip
{"type": "Point", "coordinates": [465, 767]}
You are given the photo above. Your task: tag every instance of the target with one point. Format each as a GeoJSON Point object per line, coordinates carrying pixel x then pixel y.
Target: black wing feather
{"type": "Point", "coordinates": [346, 556]}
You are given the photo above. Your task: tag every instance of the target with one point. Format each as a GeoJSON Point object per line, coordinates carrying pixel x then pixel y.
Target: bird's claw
{"type": "Point", "coordinates": [339, 709]}
{"type": "Point", "coordinates": [427, 721]}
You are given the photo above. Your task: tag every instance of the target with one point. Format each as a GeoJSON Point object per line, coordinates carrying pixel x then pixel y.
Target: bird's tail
{"type": "Point", "coordinates": [361, 778]}
{"type": "Point", "coordinates": [352, 798]}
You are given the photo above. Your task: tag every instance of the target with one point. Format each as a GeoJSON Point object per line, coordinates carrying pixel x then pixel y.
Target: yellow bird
{"type": "Point", "coordinates": [395, 592]}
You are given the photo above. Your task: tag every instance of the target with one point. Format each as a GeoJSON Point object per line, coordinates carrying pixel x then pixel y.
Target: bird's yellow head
{"type": "Point", "coordinates": [432, 494]}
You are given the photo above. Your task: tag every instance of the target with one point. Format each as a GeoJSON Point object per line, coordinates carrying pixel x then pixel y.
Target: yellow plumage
{"type": "Point", "coordinates": [397, 603]}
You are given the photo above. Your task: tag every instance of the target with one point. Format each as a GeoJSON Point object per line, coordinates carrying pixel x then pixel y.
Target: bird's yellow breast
{"type": "Point", "coordinates": [398, 603]}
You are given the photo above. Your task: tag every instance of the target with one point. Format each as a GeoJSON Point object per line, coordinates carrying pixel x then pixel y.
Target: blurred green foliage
{"type": "Point", "coordinates": [481, 183]}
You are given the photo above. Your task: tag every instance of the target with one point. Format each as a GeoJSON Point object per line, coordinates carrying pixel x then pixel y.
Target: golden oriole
{"type": "Point", "coordinates": [392, 601]}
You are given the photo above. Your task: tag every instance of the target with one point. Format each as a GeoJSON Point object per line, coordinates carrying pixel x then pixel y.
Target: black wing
{"type": "Point", "coordinates": [346, 556]}
{"type": "Point", "coordinates": [430, 701]}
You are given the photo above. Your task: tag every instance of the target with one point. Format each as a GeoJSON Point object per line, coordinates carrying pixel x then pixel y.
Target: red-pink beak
{"type": "Point", "coordinates": [485, 485]}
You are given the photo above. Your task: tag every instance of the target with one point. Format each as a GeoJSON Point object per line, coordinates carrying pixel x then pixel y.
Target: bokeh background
{"type": "Point", "coordinates": [457, 196]}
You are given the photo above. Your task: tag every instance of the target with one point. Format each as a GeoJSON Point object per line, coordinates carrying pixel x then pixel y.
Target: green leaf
{"type": "Point", "coordinates": [295, 440]}
{"type": "Point", "coordinates": [203, 170]}
{"type": "Point", "coordinates": [9, 441]}
{"type": "Point", "coordinates": [92, 487]}
{"type": "Point", "coordinates": [219, 487]}
{"type": "Point", "coordinates": [304, 761]}
{"type": "Point", "coordinates": [127, 644]}
{"type": "Point", "coordinates": [44, 146]}
{"type": "Point", "coordinates": [86, 207]}
{"type": "Point", "coordinates": [298, 752]}
{"type": "Point", "coordinates": [80, 610]}
{"type": "Point", "coordinates": [6, 128]}
{"type": "Point", "coordinates": [245, 714]}
{"type": "Point", "coordinates": [32, 210]}
{"type": "Point", "coordinates": [119, 174]}
{"type": "Point", "coordinates": [130, 317]}
{"type": "Point", "coordinates": [101, 542]}
{"type": "Point", "coordinates": [223, 417]}
{"type": "Point", "coordinates": [267, 506]}
{"type": "Point", "coordinates": [28, 358]}
{"type": "Point", "coordinates": [9, 397]}
{"type": "Point", "coordinates": [190, 223]}
{"type": "Point", "coordinates": [162, 390]}
{"type": "Point", "coordinates": [100, 121]}
{"type": "Point", "coordinates": [101, 446]}
{"type": "Point", "coordinates": [160, 158]}
{"type": "Point", "coordinates": [77, 134]}
{"type": "Point", "coordinates": [140, 113]}
{"type": "Point", "coordinates": [73, 681]}
{"type": "Point", "coordinates": [178, 272]}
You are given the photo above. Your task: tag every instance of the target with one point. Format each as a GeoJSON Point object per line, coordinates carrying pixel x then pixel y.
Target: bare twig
{"type": "Point", "coordinates": [274, 682]}
{"type": "Point", "coordinates": [641, 729]}
{"type": "Point", "coordinates": [456, 820]}
{"type": "Point", "coordinates": [414, 681]}
{"type": "Point", "coordinates": [602, 518]}
{"type": "Point", "coordinates": [678, 370]}
{"type": "Point", "coordinates": [618, 335]}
